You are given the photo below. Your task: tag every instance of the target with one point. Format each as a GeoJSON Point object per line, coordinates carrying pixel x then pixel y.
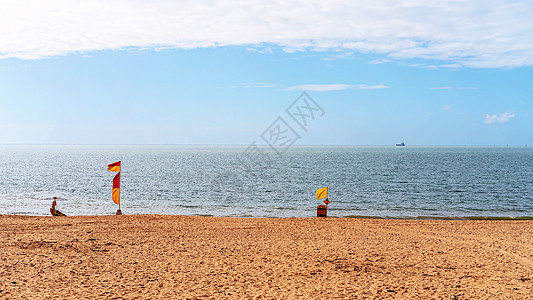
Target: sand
{"type": "Point", "coordinates": [182, 257]}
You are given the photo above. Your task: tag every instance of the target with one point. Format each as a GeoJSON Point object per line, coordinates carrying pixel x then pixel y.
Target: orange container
{"type": "Point", "coordinates": [322, 211]}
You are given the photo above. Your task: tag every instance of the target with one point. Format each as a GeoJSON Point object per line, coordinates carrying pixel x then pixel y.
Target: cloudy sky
{"type": "Point", "coordinates": [220, 72]}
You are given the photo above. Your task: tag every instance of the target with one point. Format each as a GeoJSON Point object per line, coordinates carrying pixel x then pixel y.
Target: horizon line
{"type": "Point", "coordinates": [265, 145]}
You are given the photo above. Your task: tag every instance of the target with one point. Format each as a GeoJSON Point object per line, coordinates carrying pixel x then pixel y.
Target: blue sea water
{"type": "Point", "coordinates": [391, 182]}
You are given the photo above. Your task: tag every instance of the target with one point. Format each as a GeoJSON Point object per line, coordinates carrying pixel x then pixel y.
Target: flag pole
{"type": "Point", "coordinates": [119, 212]}
{"type": "Point", "coordinates": [119, 189]}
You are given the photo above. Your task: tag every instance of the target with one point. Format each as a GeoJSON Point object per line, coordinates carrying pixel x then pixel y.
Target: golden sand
{"type": "Point", "coordinates": [176, 257]}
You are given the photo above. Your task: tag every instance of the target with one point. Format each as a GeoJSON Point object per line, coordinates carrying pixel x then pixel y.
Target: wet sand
{"type": "Point", "coordinates": [178, 257]}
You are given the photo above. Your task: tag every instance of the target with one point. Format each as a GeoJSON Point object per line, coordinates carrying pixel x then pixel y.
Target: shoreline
{"type": "Point", "coordinates": [189, 257]}
{"type": "Point", "coordinates": [434, 218]}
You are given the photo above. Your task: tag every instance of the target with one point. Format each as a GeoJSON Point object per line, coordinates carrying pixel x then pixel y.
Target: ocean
{"type": "Point", "coordinates": [388, 182]}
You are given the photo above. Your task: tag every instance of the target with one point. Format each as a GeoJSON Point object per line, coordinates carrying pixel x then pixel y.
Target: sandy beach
{"type": "Point", "coordinates": [183, 257]}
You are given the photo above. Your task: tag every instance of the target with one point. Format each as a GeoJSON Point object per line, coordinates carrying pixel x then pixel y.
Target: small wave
{"type": "Point", "coordinates": [188, 206]}
{"type": "Point", "coordinates": [244, 216]}
{"type": "Point", "coordinates": [473, 218]}
{"type": "Point", "coordinates": [20, 213]}
{"type": "Point", "coordinates": [520, 218]}
{"type": "Point", "coordinates": [435, 218]}
{"type": "Point", "coordinates": [363, 217]}
{"type": "Point", "coordinates": [500, 218]}
{"type": "Point", "coordinates": [286, 208]}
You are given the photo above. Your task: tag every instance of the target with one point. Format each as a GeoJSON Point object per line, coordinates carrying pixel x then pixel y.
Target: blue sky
{"type": "Point", "coordinates": [158, 73]}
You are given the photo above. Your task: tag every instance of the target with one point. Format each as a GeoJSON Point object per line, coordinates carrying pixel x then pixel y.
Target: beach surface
{"type": "Point", "coordinates": [185, 257]}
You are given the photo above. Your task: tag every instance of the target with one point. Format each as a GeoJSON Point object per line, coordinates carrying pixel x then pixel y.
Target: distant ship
{"type": "Point", "coordinates": [400, 144]}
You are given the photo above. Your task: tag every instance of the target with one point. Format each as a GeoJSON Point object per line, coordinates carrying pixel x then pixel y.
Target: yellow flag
{"type": "Point", "coordinates": [322, 193]}
{"type": "Point", "coordinates": [114, 167]}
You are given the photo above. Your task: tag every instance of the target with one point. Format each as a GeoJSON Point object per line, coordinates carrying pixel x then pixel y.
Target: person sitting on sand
{"type": "Point", "coordinates": [54, 211]}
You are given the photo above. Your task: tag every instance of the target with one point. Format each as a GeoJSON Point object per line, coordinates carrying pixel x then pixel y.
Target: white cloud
{"type": "Point", "coordinates": [321, 87]}
{"type": "Point", "coordinates": [339, 55]}
{"type": "Point", "coordinates": [334, 87]}
{"type": "Point", "coordinates": [9, 126]}
{"type": "Point", "coordinates": [498, 118]}
{"type": "Point", "coordinates": [432, 67]}
{"type": "Point", "coordinates": [441, 88]}
{"type": "Point", "coordinates": [370, 87]}
{"type": "Point", "coordinates": [451, 66]}
{"type": "Point", "coordinates": [447, 107]}
{"type": "Point", "coordinates": [379, 61]}
{"type": "Point", "coordinates": [476, 33]}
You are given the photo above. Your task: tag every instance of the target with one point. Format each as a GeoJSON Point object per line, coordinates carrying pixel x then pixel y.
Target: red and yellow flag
{"type": "Point", "coordinates": [116, 188]}
{"type": "Point", "coordinates": [114, 167]}
{"type": "Point", "coordinates": [322, 193]}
